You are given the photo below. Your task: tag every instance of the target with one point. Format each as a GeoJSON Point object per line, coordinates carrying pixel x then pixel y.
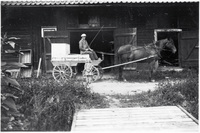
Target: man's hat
{"type": "Point", "coordinates": [83, 35]}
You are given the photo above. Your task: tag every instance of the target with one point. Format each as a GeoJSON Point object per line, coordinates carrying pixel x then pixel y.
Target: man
{"type": "Point", "coordinates": [85, 49]}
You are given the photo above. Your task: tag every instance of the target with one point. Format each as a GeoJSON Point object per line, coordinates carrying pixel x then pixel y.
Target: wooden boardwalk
{"type": "Point", "coordinates": [147, 119]}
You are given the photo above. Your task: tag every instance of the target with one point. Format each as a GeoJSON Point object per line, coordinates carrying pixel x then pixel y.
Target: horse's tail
{"type": "Point", "coordinates": [118, 55]}
{"type": "Point", "coordinates": [118, 59]}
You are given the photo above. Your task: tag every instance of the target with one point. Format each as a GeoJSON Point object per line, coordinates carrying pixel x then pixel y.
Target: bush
{"type": "Point", "coordinates": [180, 89]}
{"type": "Point", "coordinates": [11, 118]}
{"type": "Point", "coordinates": [49, 106]}
{"type": "Point", "coordinates": [142, 76]}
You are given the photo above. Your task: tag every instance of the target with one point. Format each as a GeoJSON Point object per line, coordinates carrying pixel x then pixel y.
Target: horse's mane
{"type": "Point", "coordinates": [155, 43]}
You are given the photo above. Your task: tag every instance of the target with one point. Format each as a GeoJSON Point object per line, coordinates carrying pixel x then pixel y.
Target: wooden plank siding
{"type": "Point", "coordinates": [27, 21]}
{"type": "Point", "coordinates": [162, 118]}
{"type": "Point", "coordinates": [23, 43]}
{"type": "Point", "coordinates": [189, 48]}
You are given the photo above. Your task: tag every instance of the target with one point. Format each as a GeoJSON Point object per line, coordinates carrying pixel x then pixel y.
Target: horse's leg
{"type": "Point", "coordinates": [151, 64]}
{"type": "Point", "coordinates": [155, 66]}
{"type": "Point", "coordinates": [152, 68]}
{"type": "Point", "coordinates": [120, 67]}
{"type": "Point", "coordinates": [150, 71]}
{"type": "Point", "coordinates": [120, 73]}
{"type": "Point", "coordinates": [123, 78]}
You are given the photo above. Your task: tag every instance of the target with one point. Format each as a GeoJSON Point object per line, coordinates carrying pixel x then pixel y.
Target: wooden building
{"type": "Point", "coordinates": [107, 25]}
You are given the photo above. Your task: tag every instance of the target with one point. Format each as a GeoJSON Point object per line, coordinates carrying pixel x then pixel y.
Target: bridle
{"type": "Point", "coordinates": [163, 49]}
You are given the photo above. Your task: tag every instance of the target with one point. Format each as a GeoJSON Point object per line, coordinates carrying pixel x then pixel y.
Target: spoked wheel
{"type": "Point", "coordinates": [100, 71]}
{"type": "Point", "coordinates": [74, 71]}
{"type": "Point", "coordinates": [62, 72]}
{"type": "Point", "coordinates": [93, 72]}
{"type": "Point", "coordinates": [96, 73]}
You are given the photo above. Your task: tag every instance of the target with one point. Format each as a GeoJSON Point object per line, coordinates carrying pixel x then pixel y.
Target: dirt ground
{"type": "Point", "coordinates": [109, 87]}
{"type": "Point", "coordinates": [112, 87]}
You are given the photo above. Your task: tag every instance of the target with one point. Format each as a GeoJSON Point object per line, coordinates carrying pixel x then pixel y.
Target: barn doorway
{"type": "Point", "coordinates": [168, 58]}
{"type": "Point", "coordinates": [103, 42]}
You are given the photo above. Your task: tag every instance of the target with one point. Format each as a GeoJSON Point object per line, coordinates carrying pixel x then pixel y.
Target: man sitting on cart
{"type": "Point", "coordinates": [85, 48]}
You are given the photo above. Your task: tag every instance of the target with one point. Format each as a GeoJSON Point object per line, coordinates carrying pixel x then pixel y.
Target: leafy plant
{"type": "Point", "coordinates": [46, 105]}
{"type": "Point", "coordinates": [181, 88]}
{"type": "Point", "coordinates": [49, 106]}
{"type": "Point", "coordinates": [10, 88]}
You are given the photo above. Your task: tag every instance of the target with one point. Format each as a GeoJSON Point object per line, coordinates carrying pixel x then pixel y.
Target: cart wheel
{"type": "Point", "coordinates": [100, 71]}
{"type": "Point", "coordinates": [94, 73]}
{"type": "Point", "coordinates": [75, 71]}
{"type": "Point", "coordinates": [62, 72]}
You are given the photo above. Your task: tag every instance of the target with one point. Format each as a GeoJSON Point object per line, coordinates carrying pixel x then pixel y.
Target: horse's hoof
{"type": "Point", "coordinates": [125, 80]}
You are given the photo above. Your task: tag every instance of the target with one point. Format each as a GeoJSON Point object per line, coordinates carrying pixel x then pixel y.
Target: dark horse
{"type": "Point", "coordinates": [129, 52]}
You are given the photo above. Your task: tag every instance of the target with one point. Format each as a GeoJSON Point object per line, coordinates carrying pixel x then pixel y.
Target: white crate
{"type": "Point", "coordinates": [59, 50]}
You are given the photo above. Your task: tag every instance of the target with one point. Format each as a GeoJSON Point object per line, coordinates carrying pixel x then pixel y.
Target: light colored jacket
{"type": "Point", "coordinates": [83, 45]}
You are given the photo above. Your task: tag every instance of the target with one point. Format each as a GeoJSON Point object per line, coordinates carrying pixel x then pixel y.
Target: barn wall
{"type": "Point", "coordinates": [26, 22]}
{"type": "Point", "coordinates": [16, 23]}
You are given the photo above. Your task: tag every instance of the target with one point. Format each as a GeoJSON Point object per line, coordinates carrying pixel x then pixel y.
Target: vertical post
{"type": "Point", "coordinates": [38, 71]}
{"type": "Point", "coordinates": [44, 56]}
{"type": "Point", "coordinates": [155, 35]}
{"type": "Point", "coordinates": [102, 55]}
{"type": "Point", "coordinates": [179, 51]}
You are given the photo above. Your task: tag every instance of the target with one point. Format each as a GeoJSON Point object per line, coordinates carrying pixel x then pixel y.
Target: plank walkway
{"type": "Point", "coordinates": [147, 119]}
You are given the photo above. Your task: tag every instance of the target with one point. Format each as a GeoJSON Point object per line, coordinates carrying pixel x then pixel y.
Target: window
{"type": "Point", "coordinates": [46, 29]}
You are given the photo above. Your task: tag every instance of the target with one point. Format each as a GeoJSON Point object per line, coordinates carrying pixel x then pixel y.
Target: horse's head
{"type": "Point", "coordinates": [170, 45]}
{"type": "Point", "coordinates": [166, 44]}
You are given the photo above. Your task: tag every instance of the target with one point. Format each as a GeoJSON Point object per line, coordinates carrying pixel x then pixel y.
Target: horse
{"type": "Point", "coordinates": [130, 52]}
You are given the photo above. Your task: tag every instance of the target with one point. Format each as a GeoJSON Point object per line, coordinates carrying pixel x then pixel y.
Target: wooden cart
{"type": "Point", "coordinates": [62, 70]}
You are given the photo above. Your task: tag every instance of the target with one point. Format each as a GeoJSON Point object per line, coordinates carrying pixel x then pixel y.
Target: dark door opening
{"type": "Point", "coordinates": [103, 42]}
{"type": "Point", "coordinates": [168, 58]}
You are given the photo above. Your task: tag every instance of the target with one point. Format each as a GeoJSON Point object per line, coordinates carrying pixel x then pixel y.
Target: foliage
{"type": "Point", "coordinates": [49, 106]}
{"type": "Point", "coordinates": [11, 118]}
{"type": "Point", "coordinates": [46, 105]}
{"type": "Point", "coordinates": [142, 76]}
{"type": "Point", "coordinates": [174, 91]}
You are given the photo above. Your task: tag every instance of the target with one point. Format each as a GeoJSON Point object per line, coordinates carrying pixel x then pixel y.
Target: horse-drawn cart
{"type": "Point", "coordinates": [63, 71]}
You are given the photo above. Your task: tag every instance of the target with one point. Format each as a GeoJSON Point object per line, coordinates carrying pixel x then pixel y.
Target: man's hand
{"type": "Point", "coordinates": [89, 49]}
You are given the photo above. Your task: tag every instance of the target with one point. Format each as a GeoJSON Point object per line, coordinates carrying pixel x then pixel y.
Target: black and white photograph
{"type": "Point", "coordinates": [100, 66]}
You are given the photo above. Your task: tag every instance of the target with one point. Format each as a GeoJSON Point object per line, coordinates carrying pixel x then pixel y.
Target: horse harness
{"type": "Point", "coordinates": [153, 45]}
{"type": "Point", "coordinates": [145, 48]}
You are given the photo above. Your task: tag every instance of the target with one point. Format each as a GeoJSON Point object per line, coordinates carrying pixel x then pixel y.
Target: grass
{"type": "Point", "coordinates": [142, 76]}
{"type": "Point", "coordinates": [49, 106]}
{"type": "Point", "coordinates": [180, 88]}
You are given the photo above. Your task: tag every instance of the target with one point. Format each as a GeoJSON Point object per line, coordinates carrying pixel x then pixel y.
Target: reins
{"type": "Point", "coordinates": [105, 53]}
{"type": "Point", "coordinates": [153, 45]}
